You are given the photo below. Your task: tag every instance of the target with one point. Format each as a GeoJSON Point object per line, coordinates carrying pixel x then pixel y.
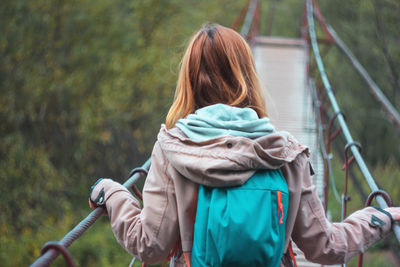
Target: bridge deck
{"type": "Point", "coordinates": [282, 66]}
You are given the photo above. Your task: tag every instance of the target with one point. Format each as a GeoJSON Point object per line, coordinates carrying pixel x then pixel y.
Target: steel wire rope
{"type": "Point", "coordinates": [346, 132]}
{"type": "Point", "coordinates": [325, 155]}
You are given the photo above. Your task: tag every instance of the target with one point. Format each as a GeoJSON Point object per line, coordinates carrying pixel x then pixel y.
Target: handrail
{"type": "Point", "coordinates": [345, 130]}
{"type": "Point", "coordinates": [51, 254]}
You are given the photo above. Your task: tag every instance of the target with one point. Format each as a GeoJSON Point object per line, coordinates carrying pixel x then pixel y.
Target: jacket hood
{"type": "Point", "coordinates": [227, 160]}
{"type": "Point", "coordinates": [223, 120]}
{"type": "Point", "coordinates": [223, 146]}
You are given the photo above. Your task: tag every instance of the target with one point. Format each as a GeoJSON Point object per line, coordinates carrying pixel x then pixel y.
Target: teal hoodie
{"type": "Point", "coordinates": [223, 120]}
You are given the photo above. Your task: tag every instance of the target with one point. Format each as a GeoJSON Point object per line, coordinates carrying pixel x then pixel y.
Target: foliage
{"type": "Point", "coordinates": [370, 29]}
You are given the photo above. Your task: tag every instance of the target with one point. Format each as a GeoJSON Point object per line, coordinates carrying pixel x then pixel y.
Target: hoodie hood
{"type": "Point", "coordinates": [226, 156]}
{"type": "Point", "coordinates": [223, 120]}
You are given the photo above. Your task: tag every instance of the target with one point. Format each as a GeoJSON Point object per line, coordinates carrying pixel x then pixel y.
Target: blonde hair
{"type": "Point", "coordinates": [217, 67]}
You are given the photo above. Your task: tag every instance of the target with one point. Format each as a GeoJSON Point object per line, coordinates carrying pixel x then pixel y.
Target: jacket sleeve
{"type": "Point", "coordinates": [334, 243]}
{"type": "Point", "coordinates": [152, 232]}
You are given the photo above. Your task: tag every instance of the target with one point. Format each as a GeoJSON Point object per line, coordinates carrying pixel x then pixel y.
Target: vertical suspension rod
{"type": "Point", "coordinates": [248, 20]}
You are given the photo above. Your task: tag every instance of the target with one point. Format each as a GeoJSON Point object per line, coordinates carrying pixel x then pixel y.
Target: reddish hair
{"type": "Point", "coordinates": [217, 67]}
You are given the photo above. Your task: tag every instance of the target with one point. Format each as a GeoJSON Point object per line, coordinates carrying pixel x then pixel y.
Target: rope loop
{"type": "Point", "coordinates": [347, 161]}
{"type": "Point", "coordinates": [376, 193]}
{"type": "Point", "coordinates": [337, 114]}
{"type": "Point", "coordinates": [338, 130]}
{"type": "Point", "coordinates": [138, 170]}
{"type": "Point", "coordinates": [60, 248]}
{"type": "Point", "coordinates": [136, 190]}
{"type": "Point", "coordinates": [354, 143]}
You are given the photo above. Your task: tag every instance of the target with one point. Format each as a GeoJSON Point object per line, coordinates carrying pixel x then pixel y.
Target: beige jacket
{"type": "Point", "coordinates": [180, 164]}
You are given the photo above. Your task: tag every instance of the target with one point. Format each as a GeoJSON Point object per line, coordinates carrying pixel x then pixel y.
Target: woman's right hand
{"type": "Point", "coordinates": [92, 205]}
{"type": "Point", "coordinates": [97, 196]}
{"type": "Point", "coordinates": [395, 212]}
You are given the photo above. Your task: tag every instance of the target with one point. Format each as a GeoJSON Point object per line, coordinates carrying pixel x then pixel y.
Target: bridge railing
{"type": "Point", "coordinates": [51, 250]}
{"type": "Point", "coordinates": [352, 146]}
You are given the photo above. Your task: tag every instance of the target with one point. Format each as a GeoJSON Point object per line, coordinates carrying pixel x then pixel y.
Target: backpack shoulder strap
{"type": "Point", "coordinates": [186, 259]}
{"type": "Point", "coordinates": [291, 253]}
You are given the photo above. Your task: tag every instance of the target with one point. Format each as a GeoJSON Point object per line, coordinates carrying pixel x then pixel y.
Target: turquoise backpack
{"type": "Point", "coordinates": [244, 225]}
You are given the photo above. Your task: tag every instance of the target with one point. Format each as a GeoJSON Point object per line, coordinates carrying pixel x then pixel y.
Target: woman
{"type": "Point", "coordinates": [217, 134]}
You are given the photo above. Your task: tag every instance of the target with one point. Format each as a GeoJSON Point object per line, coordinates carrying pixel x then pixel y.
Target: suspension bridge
{"type": "Point", "coordinates": [282, 65]}
{"type": "Point", "coordinates": [284, 68]}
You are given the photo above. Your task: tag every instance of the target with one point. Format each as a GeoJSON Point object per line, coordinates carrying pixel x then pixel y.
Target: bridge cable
{"type": "Point", "coordinates": [347, 135]}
